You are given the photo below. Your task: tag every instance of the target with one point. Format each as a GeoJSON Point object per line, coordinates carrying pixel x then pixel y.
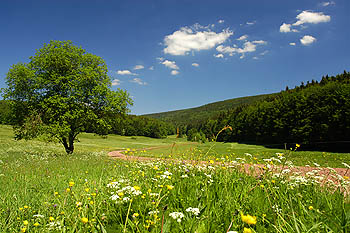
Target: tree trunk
{"type": "Point", "coordinates": [69, 146]}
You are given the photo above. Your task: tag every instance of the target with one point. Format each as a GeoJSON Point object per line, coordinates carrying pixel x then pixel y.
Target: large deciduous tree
{"type": "Point", "coordinates": [62, 91]}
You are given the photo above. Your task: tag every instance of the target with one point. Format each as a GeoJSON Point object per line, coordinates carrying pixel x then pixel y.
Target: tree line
{"type": "Point", "coordinates": [121, 124]}
{"type": "Point", "coordinates": [314, 112]}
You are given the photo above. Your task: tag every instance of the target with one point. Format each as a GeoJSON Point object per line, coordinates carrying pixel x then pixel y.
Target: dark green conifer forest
{"type": "Point", "coordinates": [312, 113]}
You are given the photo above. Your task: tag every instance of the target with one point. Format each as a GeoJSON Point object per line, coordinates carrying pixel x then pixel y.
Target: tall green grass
{"type": "Point", "coordinates": [44, 190]}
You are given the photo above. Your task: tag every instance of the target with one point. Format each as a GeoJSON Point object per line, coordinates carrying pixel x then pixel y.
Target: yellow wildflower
{"type": "Point", "coordinates": [121, 194]}
{"type": "Point", "coordinates": [247, 230]}
{"type": "Point", "coordinates": [170, 187]}
{"type": "Point", "coordinates": [71, 184]}
{"type": "Point", "coordinates": [51, 218]}
{"type": "Point", "coordinates": [36, 224]}
{"type": "Point", "coordinates": [311, 207]}
{"type": "Point", "coordinates": [135, 215]}
{"type": "Point", "coordinates": [248, 219]}
{"type": "Point", "coordinates": [84, 220]}
{"type": "Point", "coordinates": [25, 207]}
{"type": "Point", "coordinates": [137, 187]}
{"type": "Point", "coordinates": [297, 145]}
{"type": "Point", "coordinates": [25, 222]}
{"type": "Point", "coordinates": [24, 229]}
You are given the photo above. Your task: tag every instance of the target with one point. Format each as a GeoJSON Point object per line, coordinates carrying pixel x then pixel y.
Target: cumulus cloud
{"type": "Point", "coordinates": [220, 55]}
{"type": "Point", "coordinates": [138, 81]}
{"type": "Point", "coordinates": [174, 72]}
{"type": "Point", "coordinates": [160, 58]}
{"type": "Point", "coordinates": [243, 37]}
{"type": "Point", "coordinates": [305, 17]}
{"type": "Point", "coordinates": [248, 47]}
{"type": "Point", "coordinates": [138, 67]}
{"type": "Point", "coordinates": [307, 40]}
{"type": "Point", "coordinates": [311, 17]}
{"type": "Point", "coordinates": [170, 64]}
{"type": "Point", "coordinates": [151, 68]}
{"type": "Point", "coordinates": [125, 72]}
{"type": "Point", "coordinates": [116, 82]}
{"type": "Point", "coordinates": [195, 64]}
{"type": "Point", "coordinates": [327, 3]}
{"type": "Point", "coordinates": [285, 27]}
{"type": "Point", "coordinates": [292, 44]}
{"type": "Point", "coordinates": [221, 21]}
{"type": "Point", "coordinates": [195, 38]}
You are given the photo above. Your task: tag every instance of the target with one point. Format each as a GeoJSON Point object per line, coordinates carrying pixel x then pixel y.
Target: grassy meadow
{"type": "Point", "coordinates": [44, 190]}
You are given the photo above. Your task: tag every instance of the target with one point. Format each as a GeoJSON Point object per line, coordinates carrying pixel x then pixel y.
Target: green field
{"type": "Point", "coordinates": [44, 190]}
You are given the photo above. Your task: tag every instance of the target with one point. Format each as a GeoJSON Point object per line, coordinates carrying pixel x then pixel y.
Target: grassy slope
{"type": "Point", "coordinates": [36, 195]}
{"type": "Point", "coordinates": [182, 150]}
{"type": "Point", "coordinates": [203, 112]}
{"type": "Point", "coordinates": [89, 142]}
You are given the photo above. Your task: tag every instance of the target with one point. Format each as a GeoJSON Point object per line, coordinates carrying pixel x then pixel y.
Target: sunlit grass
{"type": "Point", "coordinates": [44, 190]}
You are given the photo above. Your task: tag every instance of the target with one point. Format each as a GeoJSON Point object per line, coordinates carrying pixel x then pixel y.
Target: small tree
{"type": "Point", "coordinates": [62, 91]}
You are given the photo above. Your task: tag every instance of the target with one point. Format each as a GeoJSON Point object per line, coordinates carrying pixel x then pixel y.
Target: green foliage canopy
{"type": "Point", "coordinates": [62, 91]}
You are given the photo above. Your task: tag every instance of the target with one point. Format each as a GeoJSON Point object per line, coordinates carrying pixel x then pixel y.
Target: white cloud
{"type": "Point", "coordinates": [251, 23]}
{"type": "Point", "coordinates": [195, 64]}
{"type": "Point", "coordinates": [139, 67]}
{"type": "Point", "coordinates": [327, 3]}
{"type": "Point", "coordinates": [125, 72]}
{"type": "Point", "coordinates": [243, 37]}
{"type": "Point", "coordinates": [170, 64]}
{"type": "Point", "coordinates": [138, 81]}
{"type": "Point", "coordinates": [193, 38]}
{"type": "Point", "coordinates": [307, 40]}
{"type": "Point", "coordinates": [221, 21]}
{"type": "Point", "coordinates": [248, 47]}
{"type": "Point", "coordinates": [259, 42]}
{"type": "Point", "coordinates": [151, 68]}
{"type": "Point", "coordinates": [292, 44]}
{"type": "Point", "coordinates": [303, 18]}
{"type": "Point", "coordinates": [174, 72]}
{"type": "Point", "coordinates": [264, 53]}
{"type": "Point", "coordinates": [160, 58]}
{"type": "Point", "coordinates": [285, 27]}
{"type": "Point", "coordinates": [220, 55]}
{"type": "Point", "coordinates": [116, 82]}
{"type": "Point", "coordinates": [255, 58]}
{"type": "Point", "coordinates": [311, 17]}
{"type": "Point", "coordinates": [225, 49]}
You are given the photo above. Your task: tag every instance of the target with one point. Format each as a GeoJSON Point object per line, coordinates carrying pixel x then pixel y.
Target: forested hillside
{"type": "Point", "coordinates": [313, 113]}
{"type": "Point", "coordinates": [202, 113]}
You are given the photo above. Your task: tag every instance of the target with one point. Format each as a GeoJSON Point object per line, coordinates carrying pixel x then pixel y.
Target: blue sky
{"type": "Point", "coordinates": [178, 54]}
